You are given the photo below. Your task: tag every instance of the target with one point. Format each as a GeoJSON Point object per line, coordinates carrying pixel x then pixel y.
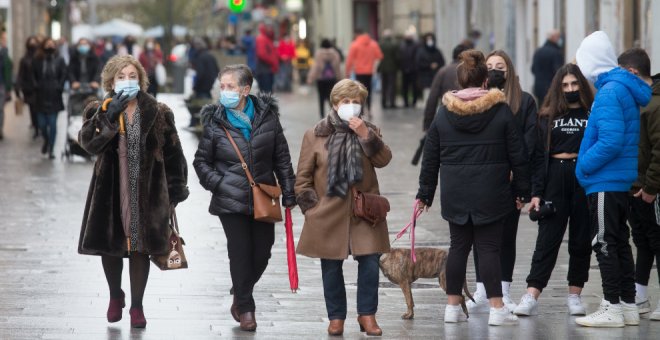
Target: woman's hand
{"type": "Point", "coordinates": [535, 204]}
{"type": "Point", "coordinates": [359, 127]}
{"type": "Point", "coordinates": [422, 206]}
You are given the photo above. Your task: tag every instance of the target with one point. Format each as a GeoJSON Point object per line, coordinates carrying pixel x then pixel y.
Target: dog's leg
{"type": "Point", "coordinates": [407, 293]}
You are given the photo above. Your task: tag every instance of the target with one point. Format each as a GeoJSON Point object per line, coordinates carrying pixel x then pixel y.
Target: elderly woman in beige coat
{"type": "Point", "coordinates": [341, 153]}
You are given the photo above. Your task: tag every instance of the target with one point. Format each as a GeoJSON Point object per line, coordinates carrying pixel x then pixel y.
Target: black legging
{"type": "Point", "coordinates": [365, 79]}
{"type": "Point", "coordinates": [324, 87]}
{"type": "Point", "coordinates": [487, 239]}
{"type": "Point", "coordinates": [139, 273]}
{"type": "Point", "coordinates": [508, 249]}
{"type": "Point", "coordinates": [248, 246]}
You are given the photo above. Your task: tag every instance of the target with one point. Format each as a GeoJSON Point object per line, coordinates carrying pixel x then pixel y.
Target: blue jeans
{"type": "Point", "coordinates": [48, 127]}
{"type": "Point", "coordinates": [334, 290]}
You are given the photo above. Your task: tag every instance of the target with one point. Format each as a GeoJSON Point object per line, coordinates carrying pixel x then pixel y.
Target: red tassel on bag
{"type": "Point", "coordinates": [417, 211]}
{"type": "Point", "coordinates": [291, 251]}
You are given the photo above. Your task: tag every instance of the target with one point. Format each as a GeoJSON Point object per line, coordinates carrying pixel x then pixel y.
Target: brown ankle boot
{"type": "Point", "coordinates": [248, 322]}
{"type": "Point", "coordinates": [234, 311]}
{"type": "Point", "coordinates": [368, 324]}
{"type": "Point", "coordinates": [336, 327]}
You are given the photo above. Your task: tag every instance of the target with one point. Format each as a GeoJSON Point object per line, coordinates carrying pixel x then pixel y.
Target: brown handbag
{"type": "Point", "coordinates": [266, 198]}
{"type": "Point", "coordinates": [372, 208]}
{"type": "Point", "coordinates": [175, 258]}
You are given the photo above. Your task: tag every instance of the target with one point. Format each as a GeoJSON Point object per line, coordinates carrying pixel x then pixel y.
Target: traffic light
{"type": "Point", "coordinates": [236, 6]}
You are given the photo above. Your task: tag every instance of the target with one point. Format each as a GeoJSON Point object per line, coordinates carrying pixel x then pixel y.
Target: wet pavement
{"type": "Point", "coordinates": [48, 291]}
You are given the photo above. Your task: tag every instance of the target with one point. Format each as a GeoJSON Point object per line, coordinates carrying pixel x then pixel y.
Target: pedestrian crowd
{"type": "Point", "coordinates": [579, 153]}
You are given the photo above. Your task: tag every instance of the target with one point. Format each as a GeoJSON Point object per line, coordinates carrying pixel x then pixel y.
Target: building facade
{"type": "Point", "coordinates": [518, 27]}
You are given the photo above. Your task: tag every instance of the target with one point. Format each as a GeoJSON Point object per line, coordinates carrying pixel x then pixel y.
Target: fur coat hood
{"type": "Point", "coordinates": [470, 109]}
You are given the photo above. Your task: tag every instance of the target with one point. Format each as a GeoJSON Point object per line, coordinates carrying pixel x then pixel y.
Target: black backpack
{"type": "Point", "coordinates": [328, 72]}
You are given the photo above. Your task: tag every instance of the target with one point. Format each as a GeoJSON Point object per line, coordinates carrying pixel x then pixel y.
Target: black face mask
{"type": "Point", "coordinates": [49, 50]}
{"type": "Point", "coordinates": [496, 79]}
{"type": "Point", "coordinates": [572, 97]}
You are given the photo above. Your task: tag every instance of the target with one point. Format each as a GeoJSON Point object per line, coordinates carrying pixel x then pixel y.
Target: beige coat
{"type": "Point", "coordinates": [322, 56]}
{"type": "Point", "coordinates": [330, 230]}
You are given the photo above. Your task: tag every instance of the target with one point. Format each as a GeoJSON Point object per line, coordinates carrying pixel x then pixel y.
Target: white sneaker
{"type": "Point", "coordinates": [527, 306]}
{"type": "Point", "coordinates": [644, 306]}
{"type": "Point", "coordinates": [501, 316]}
{"type": "Point", "coordinates": [656, 313]}
{"type": "Point", "coordinates": [575, 306]}
{"type": "Point", "coordinates": [508, 302]}
{"type": "Point", "coordinates": [480, 304]}
{"type": "Point", "coordinates": [607, 315]}
{"type": "Point", "coordinates": [454, 314]}
{"type": "Point", "coordinates": [630, 314]}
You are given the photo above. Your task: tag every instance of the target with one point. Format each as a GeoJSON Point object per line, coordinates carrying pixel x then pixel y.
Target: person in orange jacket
{"type": "Point", "coordinates": [362, 57]}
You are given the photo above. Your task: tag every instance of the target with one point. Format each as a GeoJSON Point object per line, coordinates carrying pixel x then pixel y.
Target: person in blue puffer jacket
{"type": "Point", "coordinates": [606, 168]}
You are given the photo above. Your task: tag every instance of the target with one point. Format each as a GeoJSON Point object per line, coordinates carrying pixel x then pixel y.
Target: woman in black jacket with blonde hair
{"type": "Point", "coordinates": [475, 139]}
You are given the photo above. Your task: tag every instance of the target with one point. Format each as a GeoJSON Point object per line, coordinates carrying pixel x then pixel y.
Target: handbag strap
{"type": "Point", "coordinates": [174, 223]}
{"type": "Point", "coordinates": [240, 156]}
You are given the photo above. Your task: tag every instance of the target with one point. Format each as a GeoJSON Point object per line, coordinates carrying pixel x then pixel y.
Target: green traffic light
{"type": "Point", "coordinates": [236, 6]}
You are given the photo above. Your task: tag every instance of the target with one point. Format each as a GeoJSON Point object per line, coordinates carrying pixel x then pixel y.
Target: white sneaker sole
{"type": "Point", "coordinates": [503, 323]}
{"type": "Point", "coordinates": [593, 324]}
{"type": "Point", "coordinates": [577, 312]}
{"type": "Point", "coordinates": [532, 312]}
{"type": "Point", "coordinates": [655, 317]}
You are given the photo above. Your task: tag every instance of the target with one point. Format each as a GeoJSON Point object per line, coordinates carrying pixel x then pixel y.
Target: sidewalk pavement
{"type": "Point", "coordinates": [51, 292]}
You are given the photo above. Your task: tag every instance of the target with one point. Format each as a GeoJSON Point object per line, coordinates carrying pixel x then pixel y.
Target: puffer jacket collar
{"type": "Point", "coordinates": [472, 107]}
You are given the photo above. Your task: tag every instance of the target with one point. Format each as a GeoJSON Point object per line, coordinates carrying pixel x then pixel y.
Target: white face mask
{"type": "Point", "coordinates": [348, 111]}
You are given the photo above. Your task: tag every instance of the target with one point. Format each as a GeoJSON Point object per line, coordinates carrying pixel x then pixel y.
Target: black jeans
{"type": "Point", "coordinates": [365, 79]}
{"type": "Point", "coordinates": [388, 92]}
{"type": "Point", "coordinates": [409, 85]}
{"type": "Point", "coordinates": [646, 236]}
{"type": "Point", "coordinates": [324, 87]}
{"type": "Point", "coordinates": [487, 239]}
{"type": "Point", "coordinates": [608, 212]}
{"type": "Point", "coordinates": [334, 289]}
{"type": "Point", "coordinates": [507, 249]}
{"type": "Point", "coordinates": [248, 245]}
{"type": "Point", "coordinates": [570, 201]}
{"type": "Point", "coordinates": [265, 81]}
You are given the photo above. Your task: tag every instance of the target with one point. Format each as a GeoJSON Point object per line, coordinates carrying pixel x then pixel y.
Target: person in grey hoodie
{"type": "Point", "coordinates": [325, 71]}
{"type": "Point", "coordinates": [606, 168]}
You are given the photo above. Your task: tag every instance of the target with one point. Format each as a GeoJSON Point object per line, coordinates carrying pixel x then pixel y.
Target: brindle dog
{"type": "Point", "coordinates": [398, 267]}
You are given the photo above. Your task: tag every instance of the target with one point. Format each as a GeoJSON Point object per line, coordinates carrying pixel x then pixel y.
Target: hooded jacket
{"type": "Point", "coordinates": [267, 154]}
{"type": "Point", "coordinates": [477, 143]}
{"type": "Point", "coordinates": [607, 161]}
{"type": "Point", "coordinates": [321, 58]}
{"type": "Point", "coordinates": [267, 59]}
{"type": "Point", "coordinates": [648, 166]}
{"type": "Point", "coordinates": [362, 55]}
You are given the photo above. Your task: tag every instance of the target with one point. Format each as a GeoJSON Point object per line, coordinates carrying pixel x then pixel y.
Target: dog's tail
{"type": "Point", "coordinates": [467, 291]}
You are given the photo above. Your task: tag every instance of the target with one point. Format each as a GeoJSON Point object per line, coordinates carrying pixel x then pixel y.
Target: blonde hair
{"type": "Point", "coordinates": [347, 88]}
{"type": "Point", "coordinates": [118, 63]}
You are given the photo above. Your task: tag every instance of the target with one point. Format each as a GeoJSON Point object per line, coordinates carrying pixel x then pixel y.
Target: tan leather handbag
{"type": "Point", "coordinates": [372, 208]}
{"type": "Point", "coordinates": [266, 198]}
{"type": "Point", "coordinates": [175, 258]}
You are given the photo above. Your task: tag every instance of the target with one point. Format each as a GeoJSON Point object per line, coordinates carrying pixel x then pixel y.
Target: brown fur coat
{"type": "Point", "coordinates": [162, 180]}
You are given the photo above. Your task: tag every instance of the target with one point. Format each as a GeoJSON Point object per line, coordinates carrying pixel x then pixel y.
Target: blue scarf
{"type": "Point", "coordinates": [242, 120]}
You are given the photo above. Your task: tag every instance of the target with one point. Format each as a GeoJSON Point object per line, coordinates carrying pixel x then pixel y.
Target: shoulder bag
{"type": "Point", "coordinates": [266, 198]}
{"type": "Point", "coordinates": [176, 258]}
{"type": "Point", "coordinates": [372, 208]}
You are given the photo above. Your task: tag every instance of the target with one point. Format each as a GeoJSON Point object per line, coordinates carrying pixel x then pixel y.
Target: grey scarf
{"type": "Point", "coordinates": [344, 157]}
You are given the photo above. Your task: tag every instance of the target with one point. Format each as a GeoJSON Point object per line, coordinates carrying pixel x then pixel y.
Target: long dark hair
{"type": "Point", "coordinates": [41, 53]}
{"type": "Point", "coordinates": [512, 88]}
{"type": "Point", "coordinates": [555, 103]}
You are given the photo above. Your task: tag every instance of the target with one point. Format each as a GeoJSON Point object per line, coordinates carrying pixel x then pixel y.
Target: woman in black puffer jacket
{"type": "Point", "coordinates": [253, 122]}
{"type": "Point", "coordinates": [475, 140]}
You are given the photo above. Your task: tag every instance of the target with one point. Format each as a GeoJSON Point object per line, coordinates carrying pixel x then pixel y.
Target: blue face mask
{"type": "Point", "coordinates": [230, 99]}
{"type": "Point", "coordinates": [129, 86]}
{"type": "Point", "coordinates": [83, 49]}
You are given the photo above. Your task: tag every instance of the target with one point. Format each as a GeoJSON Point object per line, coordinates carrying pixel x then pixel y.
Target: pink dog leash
{"type": "Point", "coordinates": [411, 225]}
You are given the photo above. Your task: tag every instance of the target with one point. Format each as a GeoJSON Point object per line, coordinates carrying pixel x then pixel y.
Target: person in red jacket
{"type": "Point", "coordinates": [362, 57]}
{"type": "Point", "coordinates": [286, 51]}
{"type": "Point", "coordinates": [267, 61]}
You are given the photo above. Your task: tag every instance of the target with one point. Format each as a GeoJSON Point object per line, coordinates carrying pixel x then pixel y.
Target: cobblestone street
{"type": "Point", "coordinates": [48, 291]}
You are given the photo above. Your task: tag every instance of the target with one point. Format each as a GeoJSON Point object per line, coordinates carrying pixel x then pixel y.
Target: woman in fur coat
{"type": "Point", "coordinates": [157, 179]}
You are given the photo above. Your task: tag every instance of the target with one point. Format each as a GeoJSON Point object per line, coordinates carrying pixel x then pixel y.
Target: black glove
{"type": "Point", "coordinates": [116, 106]}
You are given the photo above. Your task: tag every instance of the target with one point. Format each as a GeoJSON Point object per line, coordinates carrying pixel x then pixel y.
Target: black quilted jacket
{"type": "Point", "coordinates": [267, 154]}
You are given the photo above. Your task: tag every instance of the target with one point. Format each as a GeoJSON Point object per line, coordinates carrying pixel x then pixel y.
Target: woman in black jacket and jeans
{"type": "Point", "coordinates": [474, 138]}
{"type": "Point", "coordinates": [253, 122]}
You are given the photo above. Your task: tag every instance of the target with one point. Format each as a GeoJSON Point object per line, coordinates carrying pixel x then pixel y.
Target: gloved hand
{"type": "Point", "coordinates": [116, 106]}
